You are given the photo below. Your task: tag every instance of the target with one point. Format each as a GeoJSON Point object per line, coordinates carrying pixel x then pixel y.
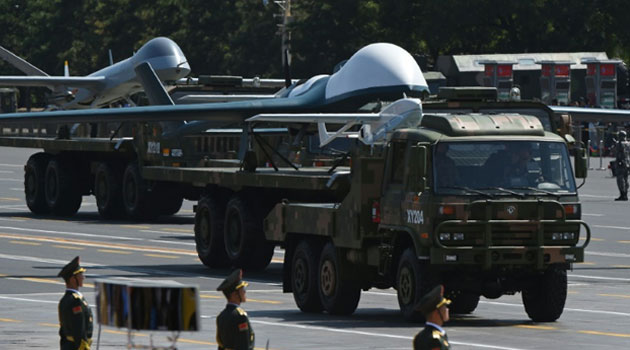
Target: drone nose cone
{"type": "Point", "coordinates": [159, 47]}
{"type": "Point", "coordinates": [380, 67]}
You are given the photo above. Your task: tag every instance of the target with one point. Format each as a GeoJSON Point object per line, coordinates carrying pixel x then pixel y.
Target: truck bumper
{"type": "Point", "coordinates": [486, 258]}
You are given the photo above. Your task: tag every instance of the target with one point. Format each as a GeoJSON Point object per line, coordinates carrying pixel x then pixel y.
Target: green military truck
{"type": "Point", "coordinates": [484, 204]}
{"type": "Point", "coordinates": [406, 222]}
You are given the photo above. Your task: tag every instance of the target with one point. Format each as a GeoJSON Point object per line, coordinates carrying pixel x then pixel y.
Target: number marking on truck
{"type": "Point", "coordinates": [415, 216]}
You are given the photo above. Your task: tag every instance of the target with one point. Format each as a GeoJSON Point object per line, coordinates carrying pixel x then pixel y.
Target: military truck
{"type": "Point", "coordinates": [442, 202]}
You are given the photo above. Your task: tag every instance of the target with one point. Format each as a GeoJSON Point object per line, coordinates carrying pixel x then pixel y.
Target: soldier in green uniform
{"type": "Point", "coordinates": [233, 329]}
{"type": "Point", "coordinates": [433, 306]}
{"type": "Point", "coordinates": [75, 315]}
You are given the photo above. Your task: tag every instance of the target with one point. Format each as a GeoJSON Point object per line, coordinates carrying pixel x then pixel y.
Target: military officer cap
{"type": "Point", "coordinates": [433, 300]}
{"type": "Point", "coordinates": [71, 269]}
{"type": "Point", "coordinates": [232, 282]}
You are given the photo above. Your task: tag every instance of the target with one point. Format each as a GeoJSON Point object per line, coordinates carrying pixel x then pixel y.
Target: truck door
{"type": "Point", "coordinates": [392, 198]}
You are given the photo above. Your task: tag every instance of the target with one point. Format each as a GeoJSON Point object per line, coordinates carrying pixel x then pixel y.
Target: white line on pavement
{"type": "Point", "coordinates": [625, 314]}
{"type": "Point", "coordinates": [31, 300]}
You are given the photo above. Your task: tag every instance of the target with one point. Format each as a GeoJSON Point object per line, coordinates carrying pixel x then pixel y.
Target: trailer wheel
{"type": "Point", "coordinates": [544, 301]}
{"type": "Point", "coordinates": [63, 196]}
{"type": "Point", "coordinates": [34, 183]}
{"type": "Point", "coordinates": [108, 192]}
{"type": "Point", "coordinates": [304, 277]}
{"type": "Point", "coordinates": [245, 242]}
{"type": "Point", "coordinates": [339, 295]}
{"type": "Point", "coordinates": [137, 200]}
{"type": "Point", "coordinates": [462, 302]}
{"type": "Point", "coordinates": [209, 233]}
{"type": "Point", "coordinates": [410, 285]}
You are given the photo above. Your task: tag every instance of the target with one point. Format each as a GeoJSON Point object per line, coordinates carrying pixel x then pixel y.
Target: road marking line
{"type": "Point", "coordinates": [31, 300]}
{"type": "Point", "coordinates": [13, 219]}
{"type": "Point", "coordinates": [9, 320]}
{"type": "Point", "coordinates": [374, 334]}
{"type": "Point", "coordinates": [25, 243]}
{"type": "Point", "coordinates": [162, 256]}
{"type": "Point", "coordinates": [602, 278]}
{"type": "Point", "coordinates": [587, 263]}
{"type": "Point", "coordinates": [114, 251]}
{"type": "Point", "coordinates": [12, 180]}
{"type": "Point", "coordinates": [529, 326]}
{"type": "Point", "coordinates": [615, 295]}
{"type": "Point", "coordinates": [588, 214]}
{"type": "Point", "coordinates": [622, 335]}
{"type": "Point", "coordinates": [9, 199]}
{"type": "Point", "coordinates": [613, 227]}
{"type": "Point", "coordinates": [609, 254]}
{"type": "Point", "coordinates": [565, 309]}
{"type": "Point", "coordinates": [67, 247]}
{"type": "Point", "coordinates": [12, 165]}
{"type": "Point", "coordinates": [136, 226]}
{"type": "Point", "coordinates": [177, 230]}
{"type": "Point", "coordinates": [45, 324]}
{"type": "Point", "coordinates": [274, 302]}
{"type": "Point", "coordinates": [623, 242]}
{"type": "Point", "coordinates": [100, 244]}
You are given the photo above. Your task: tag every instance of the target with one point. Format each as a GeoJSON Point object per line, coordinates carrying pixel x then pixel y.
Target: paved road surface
{"type": "Point", "coordinates": [33, 249]}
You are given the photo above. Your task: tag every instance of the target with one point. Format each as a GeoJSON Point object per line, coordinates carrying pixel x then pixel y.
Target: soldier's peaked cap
{"type": "Point", "coordinates": [432, 300]}
{"type": "Point", "coordinates": [71, 269]}
{"type": "Point", "coordinates": [232, 282]}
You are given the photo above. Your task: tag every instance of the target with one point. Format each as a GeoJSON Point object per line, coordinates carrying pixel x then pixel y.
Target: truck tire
{"type": "Point", "coordinates": [34, 183]}
{"type": "Point", "coordinates": [462, 302]}
{"type": "Point", "coordinates": [411, 285]}
{"type": "Point", "coordinates": [304, 271]}
{"type": "Point", "coordinates": [137, 200]}
{"type": "Point", "coordinates": [544, 301]}
{"type": "Point", "coordinates": [63, 196]}
{"type": "Point", "coordinates": [209, 233]}
{"type": "Point", "coordinates": [338, 294]}
{"type": "Point", "coordinates": [108, 192]}
{"type": "Point", "coordinates": [245, 242]}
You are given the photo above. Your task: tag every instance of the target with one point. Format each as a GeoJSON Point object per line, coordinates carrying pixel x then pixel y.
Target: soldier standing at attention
{"type": "Point", "coordinates": [433, 307]}
{"type": "Point", "coordinates": [233, 329]}
{"type": "Point", "coordinates": [75, 315]}
{"type": "Point", "coordinates": [622, 157]}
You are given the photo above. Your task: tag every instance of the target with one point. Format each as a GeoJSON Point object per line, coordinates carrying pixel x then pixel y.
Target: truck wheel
{"type": "Point", "coordinates": [209, 233]}
{"type": "Point", "coordinates": [462, 302]}
{"type": "Point", "coordinates": [63, 196]}
{"type": "Point", "coordinates": [304, 277]}
{"type": "Point", "coordinates": [245, 242]}
{"type": "Point", "coordinates": [136, 198]}
{"type": "Point", "coordinates": [34, 183]}
{"type": "Point", "coordinates": [338, 294]}
{"type": "Point", "coordinates": [410, 285]}
{"type": "Point", "coordinates": [108, 192]}
{"type": "Point", "coordinates": [544, 301]}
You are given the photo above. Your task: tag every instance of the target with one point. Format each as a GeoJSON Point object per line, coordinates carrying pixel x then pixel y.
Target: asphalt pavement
{"type": "Point", "coordinates": [33, 249]}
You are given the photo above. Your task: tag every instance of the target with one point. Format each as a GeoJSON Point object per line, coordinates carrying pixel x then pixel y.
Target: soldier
{"type": "Point", "coordinates": [622, 157]}
{"type": "Point", "coordinates": [233, 328]}
{"type": "Point", "coordinates": [75, 315]}
{"type": "Point", "coordinates": [433, 307]}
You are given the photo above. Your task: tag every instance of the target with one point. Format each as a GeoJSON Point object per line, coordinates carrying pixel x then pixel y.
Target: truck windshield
{"type": "Point", "coordinates": [502, 168]}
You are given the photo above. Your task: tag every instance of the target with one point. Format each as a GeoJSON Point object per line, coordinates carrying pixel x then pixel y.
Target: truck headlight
{"type": "Point", "coordinates": [445, 236]}
{"type": "Point", "coordinates": [566, 236]}
{"type": "Point", "coordinates": [458, 236]}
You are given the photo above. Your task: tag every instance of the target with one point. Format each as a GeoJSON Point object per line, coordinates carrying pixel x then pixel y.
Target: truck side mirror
{"type": "Point", "coordinates": [417, 174]}
{"type": "Point", "coordinates": [581, 166]}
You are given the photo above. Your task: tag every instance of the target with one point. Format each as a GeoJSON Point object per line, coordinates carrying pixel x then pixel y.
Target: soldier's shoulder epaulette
{"type": "Point", "coordinates": [436, 335]}
{"type": "Point", "coordinates": [241, 311]}
{"type": "Point", "coordinates": [76, 295]}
